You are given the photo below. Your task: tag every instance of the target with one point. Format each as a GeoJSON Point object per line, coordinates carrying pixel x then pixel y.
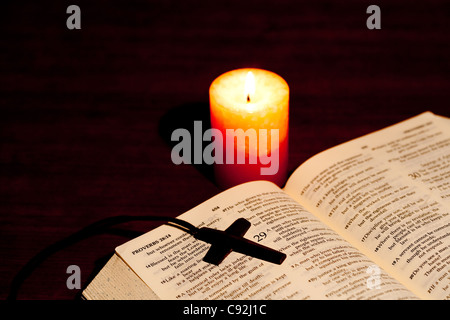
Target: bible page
{"type": "Point", "coordinates": [388, 193]}
{"type": "Point", "coordinates": [319, 263]}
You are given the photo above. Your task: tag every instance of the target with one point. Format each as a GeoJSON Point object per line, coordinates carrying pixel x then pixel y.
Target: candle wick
{"type": "Point", "coordinates": [248, 98]}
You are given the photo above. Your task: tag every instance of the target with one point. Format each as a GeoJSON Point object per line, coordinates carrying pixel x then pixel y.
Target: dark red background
{"type": "Point", "coordinates": [86, 115]}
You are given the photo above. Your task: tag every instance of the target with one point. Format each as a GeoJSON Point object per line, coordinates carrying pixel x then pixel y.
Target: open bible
{"type": "Point", "coordinates": [368, 219]}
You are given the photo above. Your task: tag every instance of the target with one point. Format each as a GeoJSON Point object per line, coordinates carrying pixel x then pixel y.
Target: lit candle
{"type": "Point", "coordinates": [251, 102]}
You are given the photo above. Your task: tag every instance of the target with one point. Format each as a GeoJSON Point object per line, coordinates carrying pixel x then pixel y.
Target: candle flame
{"type": "Point", "coordinates": [249, 85]}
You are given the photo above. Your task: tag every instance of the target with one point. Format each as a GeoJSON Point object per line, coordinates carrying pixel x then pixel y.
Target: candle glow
{"type": "Point", "coordinates": [264, 108]}
{"type": "Point", "coordinates": [249, 85]}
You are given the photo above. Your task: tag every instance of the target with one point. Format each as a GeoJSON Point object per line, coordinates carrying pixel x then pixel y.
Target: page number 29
{"type": "Point", "coordinates": [260, 236]}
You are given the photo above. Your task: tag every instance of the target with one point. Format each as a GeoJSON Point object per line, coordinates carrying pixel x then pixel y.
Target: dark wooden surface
{"type": "Point", "coordinates": [86, 115]}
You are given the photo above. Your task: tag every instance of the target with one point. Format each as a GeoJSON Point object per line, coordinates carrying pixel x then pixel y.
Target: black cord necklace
{"type": "Point", "coordinates": [223, 242]}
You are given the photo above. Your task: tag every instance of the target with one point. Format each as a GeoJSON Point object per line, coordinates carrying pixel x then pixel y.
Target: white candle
{"type": "Point", "coordinates": [253, 99]}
